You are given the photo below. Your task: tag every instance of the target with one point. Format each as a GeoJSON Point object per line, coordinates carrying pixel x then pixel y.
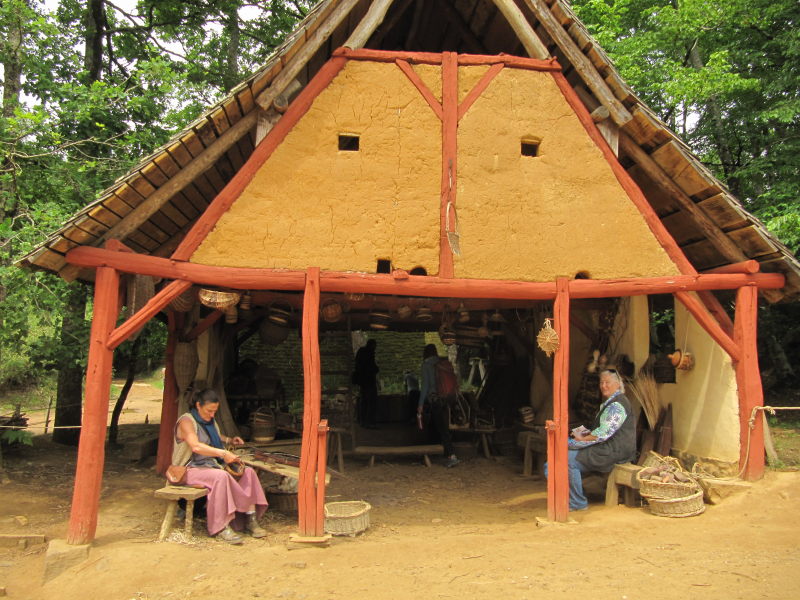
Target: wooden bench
{"type": "Point", "coordinates": [173, 493]}
{"type": "Point", "coordinates": [421, 450]}
{"type": "Point", "coordinates": [623, 476]}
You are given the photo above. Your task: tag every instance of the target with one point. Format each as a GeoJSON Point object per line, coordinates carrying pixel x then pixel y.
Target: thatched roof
{"type": "Point", "coordinates": [153, 206]}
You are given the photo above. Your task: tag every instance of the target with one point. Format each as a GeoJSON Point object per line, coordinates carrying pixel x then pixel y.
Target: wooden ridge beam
{"type": "Point", "coordinates": [412, 285]}
{"type": "Point", "coordinates": [527, 36]}
{"type": "Point", "coordinates": [374, 17]}
{"type": "Point", "coordinates": [435, 58]}
{"type": "Point", "coordinates": [299, 60]}
{"type": "Point", "coordinates": [582, 65]}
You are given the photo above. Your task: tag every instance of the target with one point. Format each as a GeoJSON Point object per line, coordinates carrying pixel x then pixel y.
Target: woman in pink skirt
{"type": "Point", "coordinates": [199, 445]}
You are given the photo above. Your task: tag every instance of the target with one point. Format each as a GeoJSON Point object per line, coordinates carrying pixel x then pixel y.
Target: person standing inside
{"type": "Point", "coordinates": [431, 393]}
{"type": "Point", "coordinates": [366, 377]}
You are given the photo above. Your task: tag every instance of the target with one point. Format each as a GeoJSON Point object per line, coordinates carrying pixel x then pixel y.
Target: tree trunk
{"type": "Point", "coordinates": [113, 428]}
{"type": "Point", "coordinates": [69, 393]}
{"type": "Point", "coordinates": [93, 56]}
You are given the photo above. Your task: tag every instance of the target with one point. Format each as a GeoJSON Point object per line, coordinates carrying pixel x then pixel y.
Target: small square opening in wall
{"type": "Point", "coordinates": [384, 266]}
{"type": "Point", "coordinates": [348, 143]}
{"type": "Point", "coordinates": [529, 148]}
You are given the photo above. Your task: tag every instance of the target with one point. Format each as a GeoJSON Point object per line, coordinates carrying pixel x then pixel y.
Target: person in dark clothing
{"type": "Point", "coordinates": [438, 405]}
{"type": "Point", "coordinates": [366, 377]}
{"type": "Point", "coordinates": [611, 440]}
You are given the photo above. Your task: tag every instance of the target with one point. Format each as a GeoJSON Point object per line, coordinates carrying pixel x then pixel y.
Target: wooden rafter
{"type": "Point", "coordinates": [527, 36]}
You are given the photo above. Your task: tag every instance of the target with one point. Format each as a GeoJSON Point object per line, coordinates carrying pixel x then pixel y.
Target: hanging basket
{"type": "Point", "coordinates": [185, 301]}
{"type": "Point", "coordinates": [185, 363]}
{"type": "Point", "coordinates": [547, 339]}
{"type": "Point", "coordinates": [279, 314]}
{"type": "Point", "coordinates": [331, 311]}
{"type": "Point", "coordinates": [217, 299]}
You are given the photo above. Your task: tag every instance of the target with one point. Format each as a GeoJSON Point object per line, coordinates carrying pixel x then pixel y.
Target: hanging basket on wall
{"type": "Point", "coordinates": [217, 299]}
{"type": "Point", "coordinates": [547, 339]}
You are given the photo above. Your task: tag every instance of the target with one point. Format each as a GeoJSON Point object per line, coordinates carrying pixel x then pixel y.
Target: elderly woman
{"type": "Point", "coordinates": [199, 447]}
{"type": "Point", "coordinates": [611, 440]}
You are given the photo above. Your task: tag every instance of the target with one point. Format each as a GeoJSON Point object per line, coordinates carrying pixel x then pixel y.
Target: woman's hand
{"type": "Point", "coordinates": [229, 457]}
{"type": "Point", "coordinates": [236, 441]}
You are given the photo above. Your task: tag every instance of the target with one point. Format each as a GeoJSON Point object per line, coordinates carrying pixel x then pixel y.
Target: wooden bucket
{"type": "Point", "coordinates": [262, 426]}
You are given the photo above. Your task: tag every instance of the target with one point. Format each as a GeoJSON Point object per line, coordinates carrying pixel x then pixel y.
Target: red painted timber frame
{"type": "Point", "coordinates": [104, 338]}
{"type": "Point", "coordinates": [748, 379]}
{"type": "Point", "coordinates": [169, 402]}
{"type": "Point", "coordinates": [91, 447]}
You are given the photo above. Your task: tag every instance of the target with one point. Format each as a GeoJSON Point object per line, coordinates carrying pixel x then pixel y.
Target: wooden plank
{"type": "Point", "coordinates": [91, 448]}
{"type": "Point", "coordinates": [562, 16]}
{"type": "Point", "coordinates": [91, 225]}
{"type": "Point", "coordinates": [62, 245]}
{"type": "Point", "coordinates": [580, 36]}
{"type": "Point", "coordinates": [580, 63]}
{"type": "Point", "coordinates": [725, 212]}
{"type": "Point", "coordinates": [678, 165]}
{"type": "Point", "coordinates": [752, 242]}
{"type": "Point", "coordinates": [682, 227]}
{"type": "Point", "coordinates": [415, 450]}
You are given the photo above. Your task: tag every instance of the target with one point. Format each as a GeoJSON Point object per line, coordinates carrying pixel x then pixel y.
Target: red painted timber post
{"type": "Point", "coordinates": [748, 379]}
{"type": "Point", "coordinates": [322, 467]}
{"type": "Point", "coordinates": [312, 392]}
{"type": "Point", "coordinates": [91, 448]}
{"type": "Point", "coordinates": [558, 475]}
{"type": "Point", "coordinates": [169, 402]}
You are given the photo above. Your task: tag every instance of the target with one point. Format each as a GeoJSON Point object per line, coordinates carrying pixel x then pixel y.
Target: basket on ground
{"type": "Point", "coordinates": [685, 506]}
{"type": "Point", "coordinates": [347, 518]}
{"type": "Point", "coordinates": [281, 500]}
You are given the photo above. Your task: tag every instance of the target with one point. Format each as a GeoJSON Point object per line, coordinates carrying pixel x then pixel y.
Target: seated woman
{"type": "Point", "coordinates": [611, 440]}
{"type": "Point", "coordinates": [199, 446]}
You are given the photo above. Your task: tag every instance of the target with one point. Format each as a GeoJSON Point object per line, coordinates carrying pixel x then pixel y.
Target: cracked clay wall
{"type": "Point", "coordinates": [552, 215]}
{"type": "Point", "coordinates": [311, 204]}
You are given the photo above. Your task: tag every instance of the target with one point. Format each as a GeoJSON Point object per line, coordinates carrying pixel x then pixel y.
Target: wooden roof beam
{"type": "Point", "coordinates": [299, 60]}
{"type": "Point", "coordinates": [527, 36]}
{"type": "Point", "coordinates": [709, 228]}
{"type": "Point", "coordinates": [374, 17]}
{"type": "Point", "coordinates": [582, 65]}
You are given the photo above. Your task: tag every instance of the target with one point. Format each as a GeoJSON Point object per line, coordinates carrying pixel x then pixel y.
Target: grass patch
{"type": "Point", "coordinates": [786, 439]}
{"type": "Point", "coordinates": [29, 398]}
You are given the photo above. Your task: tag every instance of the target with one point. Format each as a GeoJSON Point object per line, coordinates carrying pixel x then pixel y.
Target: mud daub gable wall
{"type": "Point", "coordinates": [395, 353]}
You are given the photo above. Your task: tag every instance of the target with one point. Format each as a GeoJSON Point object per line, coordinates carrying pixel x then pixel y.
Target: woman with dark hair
{"type": "Point", "coordinates": [199, 445]}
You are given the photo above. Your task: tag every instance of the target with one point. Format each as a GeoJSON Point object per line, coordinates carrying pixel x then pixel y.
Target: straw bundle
{"type": "Point", "coordinates": [644, 390]}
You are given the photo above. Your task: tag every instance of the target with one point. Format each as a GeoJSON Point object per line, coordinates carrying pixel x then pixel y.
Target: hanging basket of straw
{"type": "Point", "coordinates": [547, 339]}
{"type": "Point", "coordinates": [185, 301]}
{"type": "Point", "coordinates": [185, 364]}
{"type": "Point", "coordinates": [217, 299]}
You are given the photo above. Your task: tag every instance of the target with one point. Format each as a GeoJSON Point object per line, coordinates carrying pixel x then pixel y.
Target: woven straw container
{"type": "Point", "coordinates": [347, 518]}
{"type": "Point", "coordinates": [217, 299]}
{"type": "Point", "coordinates": [185, 301]}
{"type": "Point", "coordinates": [185, 364]}
{"type": "Point", "coordinates": [684, 506]}
{"type": "Point", "coordinates": [281, 500]}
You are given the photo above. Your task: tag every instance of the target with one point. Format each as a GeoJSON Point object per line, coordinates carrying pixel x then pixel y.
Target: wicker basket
{"type": "Point", "coordinates": [684, 506]}
{"type": "Point", "coordinates": [185, 301]}
{"type": "Point", "coordinates": [347, 518]}
{"type": "Point", "coordinates": [217, 299]}
{"type": "Point", "coordinates": [281, 500]}
{"type": "Point", "coordinates": [657, 489]}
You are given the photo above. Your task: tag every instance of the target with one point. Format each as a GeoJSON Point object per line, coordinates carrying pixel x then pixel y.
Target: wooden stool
{"type": "Point", "coordinates": [623, 475]}
{"type": "Point", "coordinates": [485, 443]}
{"type": "Point", "coordinates": [173, 493]}
{"type": "Point", "coordinates": [335, 446]}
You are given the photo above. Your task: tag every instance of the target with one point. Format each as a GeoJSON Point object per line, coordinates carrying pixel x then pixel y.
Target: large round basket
{"type": "Point", "coordinates": [347, 518]}
{"type": "Point", "coordinates": [218, 299]}
{"type": "Point", "coordinates": [281, 500]}
{"type": "Point", "coordinates": [684, 506]}
{"type": "Point", "coordinates": [262, 426]}
{"type": "Point", "coordinates": [657, 489]}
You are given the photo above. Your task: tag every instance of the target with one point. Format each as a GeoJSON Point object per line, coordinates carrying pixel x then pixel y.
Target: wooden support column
{"type": "Point", "coordinates": [169, 401]}
{"type": "Point", "coordinates": [91, 448]}
{"type": "Point", "coordinates": [312, 393]}
{"type": "Point", "coordinates": [558, 475]}
{"type": "Point", "coordinates": [449, 158]}
{"type": "Point", "coordinates": [748, 379]}
{"type": "Point", "coordinates": [322, 466]}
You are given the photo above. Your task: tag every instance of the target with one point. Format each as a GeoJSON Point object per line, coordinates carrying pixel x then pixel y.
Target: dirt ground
{"type": "Point", "coordinates": [467, 532]}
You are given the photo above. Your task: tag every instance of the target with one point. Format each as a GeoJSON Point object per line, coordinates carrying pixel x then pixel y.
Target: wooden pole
{"type": "Point", "coordinates": [368, 25]}
{"type": "Point", "coordinates": [412, 285]}
{"type": "Point", "coordinates": [449, 158]}
{"type": "Point", "coordinates": [527, 36]}
{"type": "Point", "coordinates": [91, 448]}
{"type": "Point", "coordinates": [169, 401]}
{"type": "Point", "coordinates": [748, 379]}
{"type": "Point", "coordinates": [312, 393]}
{"type": "Point", "coordinates": [322, 466]}
{"type": "Point", "coordinates": [558, 475]}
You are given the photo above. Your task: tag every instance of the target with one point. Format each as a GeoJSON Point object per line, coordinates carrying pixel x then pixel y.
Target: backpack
{"type": "Point", "coordinates": [446, 380]}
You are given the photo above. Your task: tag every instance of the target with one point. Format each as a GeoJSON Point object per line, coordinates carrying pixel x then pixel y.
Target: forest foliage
{"type": "Point", "coordinates": [91, 87]}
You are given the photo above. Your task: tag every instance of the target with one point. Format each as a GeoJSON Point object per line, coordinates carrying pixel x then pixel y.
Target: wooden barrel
{"type": "Point", "coordinates": [262, 425]}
